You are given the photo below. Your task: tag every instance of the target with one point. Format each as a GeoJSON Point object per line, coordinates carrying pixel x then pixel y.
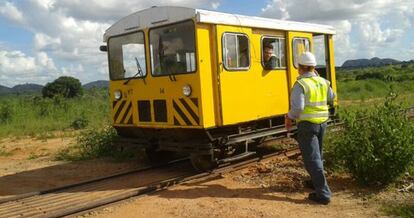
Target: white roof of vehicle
{"type": "Point", "coordinates": [157, 16]}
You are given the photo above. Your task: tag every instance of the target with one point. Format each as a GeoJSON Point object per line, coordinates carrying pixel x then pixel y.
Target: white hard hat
{"type": "Point", "coordinates": [307, 59]}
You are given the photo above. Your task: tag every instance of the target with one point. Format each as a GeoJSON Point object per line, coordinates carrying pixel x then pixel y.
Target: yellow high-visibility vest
{"type": "Point", "coordinates": [316, 96]}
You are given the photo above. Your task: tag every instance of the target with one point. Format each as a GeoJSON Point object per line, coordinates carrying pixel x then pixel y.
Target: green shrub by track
{"type": "Point", "coordinates": [376, 145]}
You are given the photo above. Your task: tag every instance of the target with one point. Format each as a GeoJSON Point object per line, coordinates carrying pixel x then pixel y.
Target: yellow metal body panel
{"type": "Point", "coordinates": [219, 97]}
{"type": "Point", "coordinates": [332, 66]}
{"type": "Point", "coordinates": [254, 93]}
{"type": "Point", "coordinates": [159, 88]}
{"type": "Point", "coordinates": [207, 70]}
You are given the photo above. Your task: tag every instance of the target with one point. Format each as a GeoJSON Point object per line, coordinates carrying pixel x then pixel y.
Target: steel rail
{"type": "Point", "coordinates": [216, 173]}
{"type": "Point", "coordinates": [32, 204]}
{"type": "Point", "coordinates": [35, 206]}
{"type": "Point", "coordinates": [42, 192]}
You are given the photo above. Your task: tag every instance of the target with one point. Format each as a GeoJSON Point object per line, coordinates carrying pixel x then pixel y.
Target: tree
{"type": "Point", "coordinates": [65, 86]}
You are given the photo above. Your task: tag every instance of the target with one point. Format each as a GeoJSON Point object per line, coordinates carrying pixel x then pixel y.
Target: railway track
{"type": "Point", "coordinates": [76, 198]}
{"type": "Point", "coordinates": [84, 196]}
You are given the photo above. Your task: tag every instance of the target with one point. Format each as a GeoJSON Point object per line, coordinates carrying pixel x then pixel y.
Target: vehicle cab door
{"type": "Point", "coordinates": [298, 43]}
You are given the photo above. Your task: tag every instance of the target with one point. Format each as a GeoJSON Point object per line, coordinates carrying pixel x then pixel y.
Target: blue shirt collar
{"type": "Point", "coordinates": [306, 75]}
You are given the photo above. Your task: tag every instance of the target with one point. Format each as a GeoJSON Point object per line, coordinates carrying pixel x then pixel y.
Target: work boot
{"type": "Point", "coordinates": [308, 184]}
{"type": "Point", "coordinates": [320, 200]}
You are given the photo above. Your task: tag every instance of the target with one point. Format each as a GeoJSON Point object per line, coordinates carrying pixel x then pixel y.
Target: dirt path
{"type": "Point", "coordinates": [270, 189]}
{"type": "Point", "coordinates": [29, 165]}
{"type": "Point", "coordinates": [273, 189]}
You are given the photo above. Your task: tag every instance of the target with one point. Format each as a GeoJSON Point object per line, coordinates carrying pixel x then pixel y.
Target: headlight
{"type": "Point", "coordinates": [187, 90]}
{"type": "Point", "coordinates": [117, 94]}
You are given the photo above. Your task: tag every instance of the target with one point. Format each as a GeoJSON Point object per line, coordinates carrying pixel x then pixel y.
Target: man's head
{"type": "Point", "coordinates": [267, 52]}
{"type": "Point", "coordinates": [307, 62]}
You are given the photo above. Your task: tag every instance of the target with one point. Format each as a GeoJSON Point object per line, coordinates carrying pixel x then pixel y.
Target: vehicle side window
{"type": "Point", "coordinates": [236, 54]}
{"type": "Point", "coordinates": [300, 45]}
{"type": "Point", "coordinates": [273, 53]}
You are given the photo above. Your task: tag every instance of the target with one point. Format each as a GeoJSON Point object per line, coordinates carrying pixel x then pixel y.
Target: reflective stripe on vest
{"type": "Point", "coordinates": [316, 97]}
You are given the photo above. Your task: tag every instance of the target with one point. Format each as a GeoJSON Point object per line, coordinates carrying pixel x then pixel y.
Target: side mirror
{"type": "Point", "coordinates": [103, 48]}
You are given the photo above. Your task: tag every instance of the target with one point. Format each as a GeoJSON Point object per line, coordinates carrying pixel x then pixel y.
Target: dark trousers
{"type": "Point", "coordinates": [310, 138]}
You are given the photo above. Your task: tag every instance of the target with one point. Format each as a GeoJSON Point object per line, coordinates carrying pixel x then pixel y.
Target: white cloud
{"type": "Point", "coordinates": [45, 61]}
{"type": "Point", "coordinates": [46, 4]}
{"type": "Point", "coordinates": [73, 70]}
{"type": "Point", "coordinates": [45, 42]}
{"type": "Point", "coordinates": [276, 9]}
{"type": "Point", "coordinates": [364, 27]}
{"type": "Point", "coordinates": [215, 5]}
{"type": "Point", "coordinates": [70, 31]}
{"type": "Point", "coordinates": [17, 67]}
{"type": "Point", "coordinates": [111, 10]}
{"type": "Point", "coordinates": [16, 61]}
{"type": "Point", "coordinates": [372, 33]}
{"type": "Point", "coordinates": [9, 10]}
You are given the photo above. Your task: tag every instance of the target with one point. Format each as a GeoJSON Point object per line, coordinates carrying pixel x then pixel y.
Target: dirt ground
{"type": "Point", "coordinates": [29, 165]}
{"type": "Point", "coordinates": [268, 189]}
{"type": "Point", "coordinates": [271, 189]}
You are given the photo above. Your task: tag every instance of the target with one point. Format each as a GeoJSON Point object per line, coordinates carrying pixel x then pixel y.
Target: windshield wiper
{"type": "Point", "coordinates": [172, 77]}
{"type": "Point", "coordinates": [139, 73]}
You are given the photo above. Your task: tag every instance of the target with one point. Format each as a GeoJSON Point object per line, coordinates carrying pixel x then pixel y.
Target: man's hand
{"type": "Point", "coordinates": [288, 123]}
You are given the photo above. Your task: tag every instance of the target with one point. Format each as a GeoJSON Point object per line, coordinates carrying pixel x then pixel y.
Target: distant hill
{"type": "Point", "coordinates": [21, 89]}
{"type": "Point", "coordinates": [373, 62]}
{"type": "Point", "coordinates": [35, 88]}
{"type": "Point", "coordinates": [97, 84]}
{"type": "Point", "coordinates": [5, 90]}
{"type": "Point", "coordinates": [27, 88]}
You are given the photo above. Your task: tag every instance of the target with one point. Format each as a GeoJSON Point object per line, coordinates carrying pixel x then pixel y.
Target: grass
{"type": "Point", "coordinates": [375, 82]}
{"type": "Point", "coordinates": [31, 115]}
{"type": "Point", "coordinates": [86, 118]}
{"type": "Point", "coordinates": [4, 153]}
{"type": "Point", "coordinates": [371, 88]}
{"type": "Point", "coordinates": [399, 210]}
{"type": "Point", "coordinates": [98, 143]}
{"type": "Point", "coordinates": [34, 156]}
{"type": "Point", "coordinates": [22, 115]}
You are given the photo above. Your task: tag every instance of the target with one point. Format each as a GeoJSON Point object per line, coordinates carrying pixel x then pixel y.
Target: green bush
{"type": "Point", "coordinates": [376, 145]}
{"type": "Point", "coordinates": [90, 144]}
{"type": "Point", "coordinates": [97, 143]}
{"type": "Point", "coordinates": [373, 75]}
{"type": "Point", "coordinates": [65, 86]}
{"type": "Point", "coordinates": [6, 113]}
{"type": "Point", "coordinates": [368, 87]}
{"type": "Point", "coordinates": [79, 123]}
{"type": "Point", "coordinates": [399, 210]}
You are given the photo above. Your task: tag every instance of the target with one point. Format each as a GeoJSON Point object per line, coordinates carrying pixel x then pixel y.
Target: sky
{"type": "Point", "coordinates": [41, 40]}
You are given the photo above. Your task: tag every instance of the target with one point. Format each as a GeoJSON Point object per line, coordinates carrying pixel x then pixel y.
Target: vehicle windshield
{"type": "Point", "coordinates": [127, 56]}
{"type": "Point", "coordinates": [172, 49]}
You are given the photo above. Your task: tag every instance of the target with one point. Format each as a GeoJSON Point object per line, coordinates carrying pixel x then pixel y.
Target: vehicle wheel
{"type": "Point", "coordinates": [202, 163]}
{"type": "Point", "coordinates": [159, 157]}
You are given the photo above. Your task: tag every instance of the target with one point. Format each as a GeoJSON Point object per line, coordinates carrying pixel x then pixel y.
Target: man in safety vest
{"type": "Point", "coordinates": [309, 102]}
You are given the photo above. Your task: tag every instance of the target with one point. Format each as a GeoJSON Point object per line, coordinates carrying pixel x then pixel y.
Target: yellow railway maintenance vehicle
{"type": "Point", "coordinates": [193, 81]}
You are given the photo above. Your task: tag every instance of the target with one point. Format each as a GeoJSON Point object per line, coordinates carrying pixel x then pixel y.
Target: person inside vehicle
{"type": "Point", "coordinates": [270, 61]}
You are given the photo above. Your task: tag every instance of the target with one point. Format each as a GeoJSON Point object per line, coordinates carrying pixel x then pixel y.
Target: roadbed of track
{"type": "Point", "coordinates": [88, 195]}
